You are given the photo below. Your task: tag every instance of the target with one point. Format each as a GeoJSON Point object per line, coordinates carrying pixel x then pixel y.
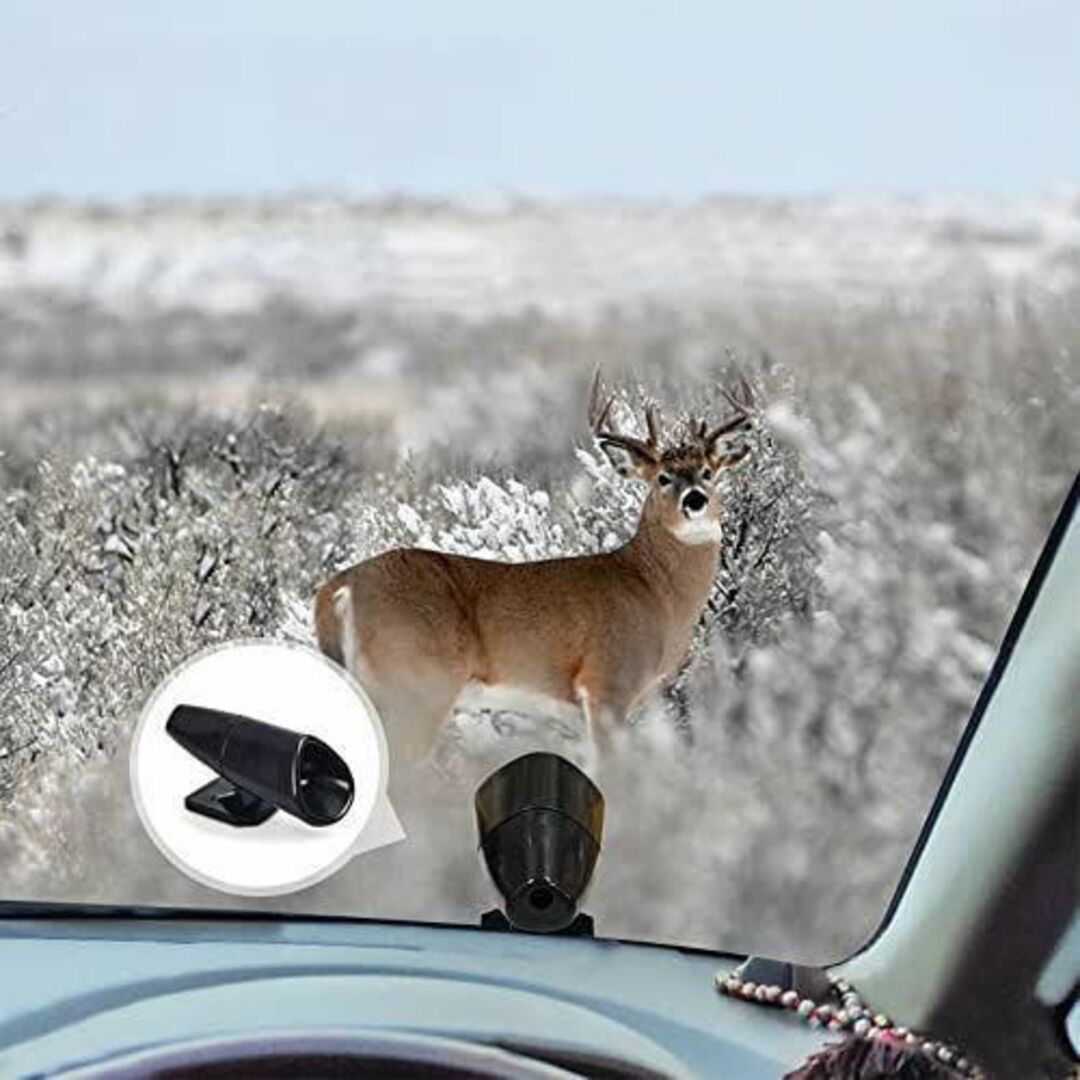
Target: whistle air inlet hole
{"type": "Point", "coordinates": [541, 898]}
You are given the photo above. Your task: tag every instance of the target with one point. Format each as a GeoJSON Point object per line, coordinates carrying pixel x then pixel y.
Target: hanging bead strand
{"type": "Point", "coordinates": [852, 1015]}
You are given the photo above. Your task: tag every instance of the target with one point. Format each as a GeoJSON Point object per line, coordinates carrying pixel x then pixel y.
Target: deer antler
{"type": "Point", "coordinates": [741, 398]}
{"type": "Point", "coordinates": [599, 415]}
{"type": "Point", "coordinates": [695, 427]}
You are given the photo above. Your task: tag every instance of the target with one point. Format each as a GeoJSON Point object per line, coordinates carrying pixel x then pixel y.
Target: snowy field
{"type": "Point", "coordinates": [497, 259]}
{"type": "Point", "coordinates": [207, 408]}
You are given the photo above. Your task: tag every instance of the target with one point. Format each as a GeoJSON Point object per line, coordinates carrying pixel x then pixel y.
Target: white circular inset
{"type": "Point", "coordinates": [288, 686]}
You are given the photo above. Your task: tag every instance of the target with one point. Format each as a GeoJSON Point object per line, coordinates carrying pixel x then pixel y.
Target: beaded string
{"type": "Point", "coordinates": [851, 1015]}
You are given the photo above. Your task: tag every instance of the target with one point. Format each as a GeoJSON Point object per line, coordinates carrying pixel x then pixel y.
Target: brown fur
{"type": "Point", "coordinates": [597, 630]}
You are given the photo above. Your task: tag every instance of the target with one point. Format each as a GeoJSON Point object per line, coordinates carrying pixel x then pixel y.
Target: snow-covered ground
{"type": "Point", "coordinates": [491, 259]}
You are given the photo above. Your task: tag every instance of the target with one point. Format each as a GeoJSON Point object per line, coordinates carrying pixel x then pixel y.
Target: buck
{"type": "Point", "coordinates": [426, 632]}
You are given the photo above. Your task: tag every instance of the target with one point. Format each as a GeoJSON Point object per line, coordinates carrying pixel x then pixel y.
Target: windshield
{"type": "Point", "coordinates": [279, 293]}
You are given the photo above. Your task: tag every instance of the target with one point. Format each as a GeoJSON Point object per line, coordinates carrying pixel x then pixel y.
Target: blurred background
{"type": "Point", "coordinates": [282, 285]}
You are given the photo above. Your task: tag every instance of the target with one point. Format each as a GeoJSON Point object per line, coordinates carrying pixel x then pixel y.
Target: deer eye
{"type": "Point", "coordinates": [663, 479]}
{"type": "Point", "coordinates": [706, 474]}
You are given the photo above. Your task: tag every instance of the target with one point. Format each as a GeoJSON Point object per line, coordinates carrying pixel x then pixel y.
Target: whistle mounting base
{"type": "Point", "coordinates": [225, 802]}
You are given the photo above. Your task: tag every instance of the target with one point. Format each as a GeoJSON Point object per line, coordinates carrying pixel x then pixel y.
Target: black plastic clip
{"type": "Point", "coordinates": [808, 982]}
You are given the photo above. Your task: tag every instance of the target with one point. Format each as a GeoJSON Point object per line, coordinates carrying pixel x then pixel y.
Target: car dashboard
{"type": "Point", "coordinates": [213, 995]}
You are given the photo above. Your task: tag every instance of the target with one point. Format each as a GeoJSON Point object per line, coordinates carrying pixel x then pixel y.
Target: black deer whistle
{"type": "Point", "coordinates": [540, 820]}
{"type": "Point", "coordinates": [261, 768]}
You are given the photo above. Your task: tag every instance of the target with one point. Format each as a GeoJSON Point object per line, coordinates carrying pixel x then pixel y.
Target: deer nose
{"type": "Point", "coordinates": [694, 501]}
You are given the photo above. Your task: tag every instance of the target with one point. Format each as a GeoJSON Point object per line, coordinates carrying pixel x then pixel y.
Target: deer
{"type": "Point", "coordinates": [585, 636]}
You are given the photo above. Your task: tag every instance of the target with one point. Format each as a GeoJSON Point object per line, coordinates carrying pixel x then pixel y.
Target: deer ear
{"type": "Point", "coordinates": [627, 461]}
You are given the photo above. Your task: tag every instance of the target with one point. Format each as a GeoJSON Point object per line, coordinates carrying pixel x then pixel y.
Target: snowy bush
{"type": "Point", "coordinates": [113, 573]}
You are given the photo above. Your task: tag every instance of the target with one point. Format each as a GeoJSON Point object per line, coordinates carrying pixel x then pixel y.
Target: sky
{"type": "Point", "coordinates": [677, 100]}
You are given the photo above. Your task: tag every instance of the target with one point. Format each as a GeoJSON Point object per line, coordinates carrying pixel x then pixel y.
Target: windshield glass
{"type": "Point", "coordinates": [279, 293]}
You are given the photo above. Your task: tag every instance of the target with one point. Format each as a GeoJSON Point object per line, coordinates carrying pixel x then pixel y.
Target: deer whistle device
{"type": "Point", "coordinates": [540, 820]}
{"type": "Point", "coordinates": [261, 768]}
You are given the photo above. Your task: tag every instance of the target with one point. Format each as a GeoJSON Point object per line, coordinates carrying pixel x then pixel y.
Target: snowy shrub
{"type": "Point", "coordinates": [112, 573]}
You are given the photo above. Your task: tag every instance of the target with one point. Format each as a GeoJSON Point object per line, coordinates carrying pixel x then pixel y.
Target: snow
{"type": "Point", "coordinates": [566, 258]}
{"type": "Point", "coordinates": [415, 374]}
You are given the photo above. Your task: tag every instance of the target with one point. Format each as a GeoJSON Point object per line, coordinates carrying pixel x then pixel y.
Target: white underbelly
{"type": "Point", "coordinates": [478, 696]}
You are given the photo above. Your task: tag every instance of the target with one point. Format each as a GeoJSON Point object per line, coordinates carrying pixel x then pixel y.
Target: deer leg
{"type": "Point", "coordinates": [414, 710]}
{"type": "Point", "coordinates": [604, 713]}
{"type": "Point", "coordinates": [412, 674]}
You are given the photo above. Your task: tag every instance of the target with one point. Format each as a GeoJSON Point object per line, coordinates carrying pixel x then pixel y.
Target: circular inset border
{"type": "Point", "coordinates": [282, 683]}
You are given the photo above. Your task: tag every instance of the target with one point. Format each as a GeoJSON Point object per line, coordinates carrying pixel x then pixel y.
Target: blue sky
{"type": "Point", "coordinates": [118, 98]}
